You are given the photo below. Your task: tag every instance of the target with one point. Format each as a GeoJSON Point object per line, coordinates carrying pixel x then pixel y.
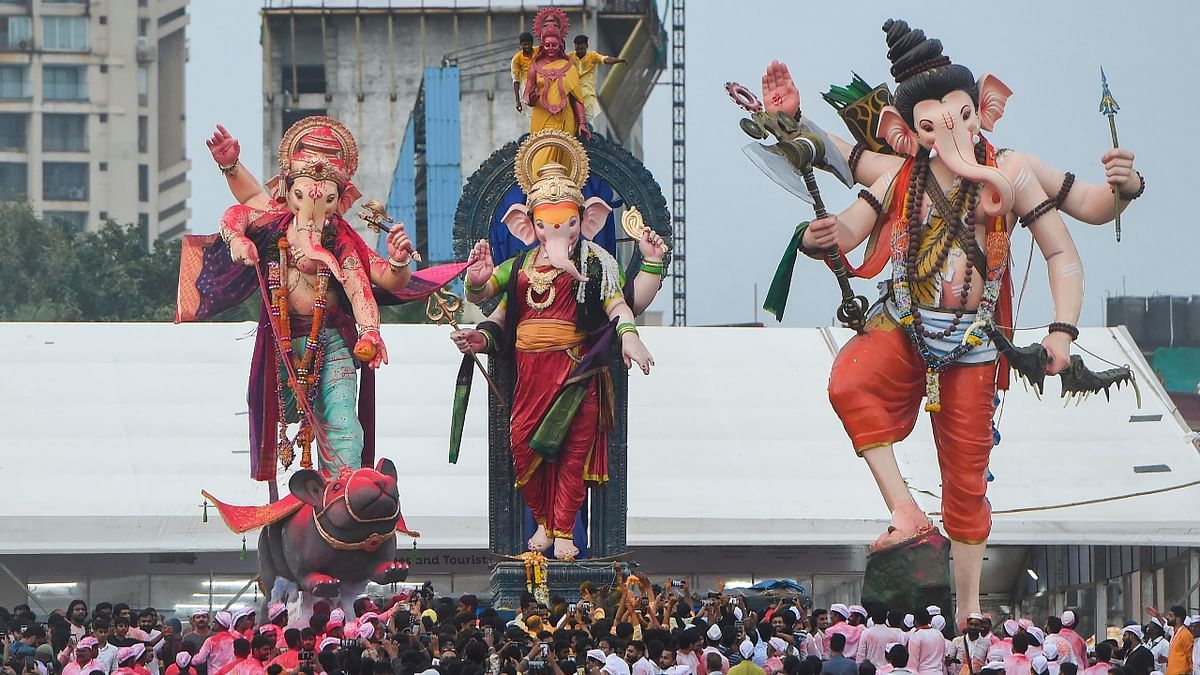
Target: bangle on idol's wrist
{"type": "Point", "coordinates": [227, 234]}
{"type": "Point", "coordinates": [397, 265]}
{"type": "Point", "coordinates": [626, 327]}
{"type": "Point", "coordinates": [1130, 196]}
{"type": "Point", "coordinates": [230, 170]}
{"type": "Point", "coordinates": [368, 329]}
{"type": "Point", "coordinates": [1064, 327]}
{"type": "Point", "coordinates": [655, 267]}
{"type": "Point", "coordinates": [472, 288]}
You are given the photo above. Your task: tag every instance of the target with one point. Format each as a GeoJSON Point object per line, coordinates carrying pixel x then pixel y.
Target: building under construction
{"type": "Point", "coordinates": [426, 87]}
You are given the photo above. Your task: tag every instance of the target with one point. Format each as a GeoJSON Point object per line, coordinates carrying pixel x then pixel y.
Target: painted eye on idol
{"type": "Point", "coordinates": [298, 193]}
{"type": "Point", "coordinates": [966, 113]}
{"type": "Point", "coordinates": [927, 126]}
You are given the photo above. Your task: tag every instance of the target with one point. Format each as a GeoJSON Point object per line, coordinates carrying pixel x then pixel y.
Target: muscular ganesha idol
{"type": "Point", "coordinates": [323, 285]}
{"type": "Point", "coordinates": [938, 215]}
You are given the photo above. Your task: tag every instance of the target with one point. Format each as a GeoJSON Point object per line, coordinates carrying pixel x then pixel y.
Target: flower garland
{"type": "Point", "coordinates": [903, 268]}
{"type": "Point", "coordinates": [308, 365]}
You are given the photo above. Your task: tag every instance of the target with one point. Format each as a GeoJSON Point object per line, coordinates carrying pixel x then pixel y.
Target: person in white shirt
{"type": "Point", "coordinates": [1157, 642]}
{"type": "Point", "coordinates": [973, 645]}
{"type": "Point", "coordinates": [106, 652]}
{"type": "Point", "coordinates": [926, 647]}
{"type": "Point", "coordinates": [872, 646]}
{"type": "Point", "coordinates": [635, 656]}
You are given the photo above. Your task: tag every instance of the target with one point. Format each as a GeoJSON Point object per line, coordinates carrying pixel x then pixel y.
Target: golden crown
{"type": "Point", "coordinates": [555, 181]}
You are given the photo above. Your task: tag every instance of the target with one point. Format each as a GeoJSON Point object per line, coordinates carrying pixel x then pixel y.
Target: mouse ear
{"type": "Point", "coordinates": [386, 467]}
{"type": "Point", "coordinates": [308, 486]}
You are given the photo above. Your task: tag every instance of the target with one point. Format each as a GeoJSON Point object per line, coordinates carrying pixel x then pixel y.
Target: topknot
{"type": "Point", "coordinates": [910, 51]}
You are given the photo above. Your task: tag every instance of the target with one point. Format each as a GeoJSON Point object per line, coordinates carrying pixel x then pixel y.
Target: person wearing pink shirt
{"type": "Point", "coordinates": [873, 644]}
{"type": "Point", "coordinates": [926, 647]}
{"type": "Point", "coordinates": [840, 614]}
{"type": "Point", "coordinates": [1103, 657]}
{"type": "Point", "coordinates": [1017, 663]}
{"type": "Point", "coordinates": [217, 651]}
{"type": "Point", "coordinates": [1078, 644]}
{"type": "Point", "coordinates": [83, 662]}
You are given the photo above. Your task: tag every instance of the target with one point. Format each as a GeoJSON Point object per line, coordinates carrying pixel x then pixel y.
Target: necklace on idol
{"type": "Point", "coordinates": [308, 364]}
{"type": "Point", "coordinates": [539, 283]}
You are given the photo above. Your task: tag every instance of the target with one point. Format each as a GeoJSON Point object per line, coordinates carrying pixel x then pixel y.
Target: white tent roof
{"type": "Point", "coordinates": [113, 429]}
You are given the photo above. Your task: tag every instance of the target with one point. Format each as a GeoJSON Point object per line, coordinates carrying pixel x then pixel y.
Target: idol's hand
{"type": "Point", "coordinates": [373, 338]}
{"type": "Point", "coordinates": [469, 341]}
{"type": "Point", "coordinates": [779, 92]}
{"type": "Point", "coordinates": [399, 245]}
{"type": "Point", "coordinates": [243, 251]}
{"type": "Point", "coordinates": [479, 264]}
{"type": "Point", "coordinates": [224, 147]}
{"type": "Point", "coordinates": [1058, 345]}
{"type": "Point", "coordinates": [585, 133]}
{"type": "Point", "coordinates": [651, 245]}
{"type": "Point", "coordinates": [634, 351]}
{"type": "Point", "coordinates": [821, 234]}
{"type": "Point", "coordinates": [1118, 170]}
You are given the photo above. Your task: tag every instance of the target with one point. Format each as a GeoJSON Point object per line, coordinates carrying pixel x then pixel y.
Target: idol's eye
{"type": "Point", "coordinates": [966, 113]}
{"type": "Point", "coordinates": [540, 225]}
{"type": "Point", "coordinates": [927, 126]}
{"type": "Point", "coordinates": [299, 194]}
{"type": "Point", "coordinates": [329, 199]}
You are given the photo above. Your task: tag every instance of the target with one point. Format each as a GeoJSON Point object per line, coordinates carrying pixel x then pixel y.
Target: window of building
{"type": "Point", "coordinates": [143, 85]}
{"type": "Point", "coordinates": [65, 33]}
{"type": "Point", "coordinates": [12, 130]}
{"type": "Point", "coordinates": [143, 133]}
{"type": "Point", "coordinates": [143, 183]}
{"type": "Point", "coordinates": [64, 83]}
{"type": "Point", "coordinates": [64, 133]}
{"type": "Point", "coordinates": [144, 227]}
{"type": "Point", "coordinates": [65, 181]}
{"type": "Point", "coordinates": [16, 32]}
{"type": "Point", "coordinates": [14, 82]}
{"type": "Point", "coordinates": [14, 181]}
{"type": "Point", "coordinates": [291, 116]}
{"type": "Point", "coordinates": [310, 79]}
{"type": "Point", "coordinates": [75, 221]}
{"type": "Point", "coordinates": [143, 27]}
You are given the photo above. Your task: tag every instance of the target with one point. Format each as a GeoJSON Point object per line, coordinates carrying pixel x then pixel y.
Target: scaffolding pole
{"type": "Point", "coordinates": [678, 167]}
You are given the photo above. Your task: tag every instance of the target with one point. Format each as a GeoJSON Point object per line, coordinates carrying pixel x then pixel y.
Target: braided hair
{"type": "Point", "coordinates": [921, 70]}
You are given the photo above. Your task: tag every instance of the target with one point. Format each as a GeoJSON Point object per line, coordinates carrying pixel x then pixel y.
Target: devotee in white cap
{"type": "Point", "coordinates": [1079, 649]}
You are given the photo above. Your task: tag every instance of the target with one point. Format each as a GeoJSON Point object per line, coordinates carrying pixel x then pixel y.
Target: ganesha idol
{"type": "Point", "coordinates": [321, 286]}
{"type": "Point", "coordinates": [562, 306]}
{"type": "Point", "coordinates": [939, 207]}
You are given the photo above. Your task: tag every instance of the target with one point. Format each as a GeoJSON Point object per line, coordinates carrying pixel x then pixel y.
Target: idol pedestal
{"type": "Point", "coordinates": [912, 574]}
{"type": "Point", "coordinates": [509, 580]}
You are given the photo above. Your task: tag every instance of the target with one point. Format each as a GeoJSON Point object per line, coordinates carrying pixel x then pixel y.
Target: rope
{"type": "Point", "coordinates": [1067, 505]}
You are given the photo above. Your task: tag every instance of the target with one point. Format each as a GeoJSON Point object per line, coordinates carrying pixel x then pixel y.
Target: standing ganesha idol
{"type": "Point", "coordinates": [561, 307]}
{"type": "Point", "coordinates": [940, 216]}
{"type": "Point", "coordinates": [322, 287]}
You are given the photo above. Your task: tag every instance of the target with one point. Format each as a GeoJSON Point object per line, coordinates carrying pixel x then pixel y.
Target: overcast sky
{"type": "Point", "coordinates": [1049, 54]}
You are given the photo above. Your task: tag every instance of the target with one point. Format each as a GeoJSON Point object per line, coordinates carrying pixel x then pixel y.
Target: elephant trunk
{"type": "Point", "coordinates": [997, 194]}
{"type": "Point", "coordinates": [558, 252]}
{"type": "Point", "coordinates": [309, 226]}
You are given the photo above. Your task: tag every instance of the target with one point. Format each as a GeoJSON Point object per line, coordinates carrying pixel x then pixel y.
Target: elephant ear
{"type": "Point", "coordinates": [308, 486]}
{"type": "Point", "coordinates": [519, 223]}
{"type": "Point", "coordinates": [595, 214]}
{"type": "Point", "coordinates": [386, 467]}
{"type": "Point", "coordinates": [894, 131]}
{"type": "Point", "coordinates": [993, 95]}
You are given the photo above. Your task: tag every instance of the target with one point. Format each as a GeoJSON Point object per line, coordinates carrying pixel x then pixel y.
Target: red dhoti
{"type": "Point", "coordinates": [547, 347]}
{"type": "Point", "coordinates": [876, 387]}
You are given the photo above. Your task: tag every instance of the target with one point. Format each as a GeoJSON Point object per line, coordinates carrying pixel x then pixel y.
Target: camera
{"type": "Point", "coordinates": [487, 631]}
{"type": "Point", "coordinates": [306, 656]}
{"type": "Point", "coordinates": [708, 602]}
{"type": "Point", "coordinates": [346, 642]}
{"type": "Point", "coordinates": [435, 662]}
{"type": "Point", "coordinates": [676, 583]}
{"type": "Point", "coordinates": [537, 665]}
{"type": "Point", "coordinates": [571, 608]}
{"type": "Point", "coordinates": [738, 626]}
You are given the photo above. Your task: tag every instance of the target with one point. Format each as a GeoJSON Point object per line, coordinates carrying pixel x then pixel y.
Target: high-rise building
{"type": "Point", "coordinates": [92, 111]}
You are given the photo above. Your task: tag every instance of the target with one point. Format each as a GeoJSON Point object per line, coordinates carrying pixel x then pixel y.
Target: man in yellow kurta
{"type": "Point", "coordinates": [585, 62]}
{"type": "Point", "coordinates": [520, 67]}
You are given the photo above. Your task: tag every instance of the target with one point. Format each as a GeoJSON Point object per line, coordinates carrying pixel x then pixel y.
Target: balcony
{"type": "Point", "coordinates": [146, 53]}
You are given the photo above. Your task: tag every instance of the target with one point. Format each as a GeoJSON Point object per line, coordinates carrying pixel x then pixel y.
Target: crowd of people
{"type": "Point", "coordinates": [633, 628]}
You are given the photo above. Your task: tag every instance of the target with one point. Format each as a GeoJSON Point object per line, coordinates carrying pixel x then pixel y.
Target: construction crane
{"type": "Point", "coordinates": [678, 167]}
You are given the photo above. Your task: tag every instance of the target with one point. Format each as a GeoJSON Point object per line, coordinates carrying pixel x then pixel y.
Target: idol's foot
{"type": "Point", "coordinates": [539, 541]}
{"type": "Point", "coordinates": [564, 549]}
{"type": "Point", "coordinates": [908, 522]}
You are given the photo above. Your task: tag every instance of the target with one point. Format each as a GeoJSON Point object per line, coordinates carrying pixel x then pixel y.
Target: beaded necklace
{"type": "Point", "coordinates": [539, 282]}
{"type": "Point", "coordinates": [308, 364]}
{"type": "Point", "coordinates": [905, 246]}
